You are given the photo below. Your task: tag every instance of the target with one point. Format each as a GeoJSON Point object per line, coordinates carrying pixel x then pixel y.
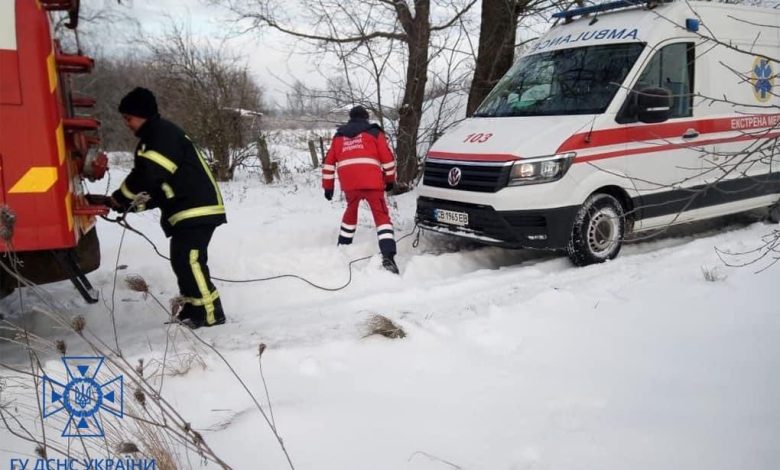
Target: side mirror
{"type": "Point", "coordinates": [653, 105]}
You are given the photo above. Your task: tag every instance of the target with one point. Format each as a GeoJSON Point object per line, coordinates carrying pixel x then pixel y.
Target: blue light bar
{"type": "Point", "coordinates": [568, 14]}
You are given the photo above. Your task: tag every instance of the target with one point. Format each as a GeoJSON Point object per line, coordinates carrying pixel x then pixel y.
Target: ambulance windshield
{"type": "Point", "coordinates": [580, 80]}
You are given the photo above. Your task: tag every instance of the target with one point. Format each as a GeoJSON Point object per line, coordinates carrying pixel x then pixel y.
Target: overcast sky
{"type": "Point", "coordinates": [267, 54]}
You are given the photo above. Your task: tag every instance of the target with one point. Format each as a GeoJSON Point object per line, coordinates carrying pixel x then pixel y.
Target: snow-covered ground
{"type": "Point", "coordinates": [512, 360]}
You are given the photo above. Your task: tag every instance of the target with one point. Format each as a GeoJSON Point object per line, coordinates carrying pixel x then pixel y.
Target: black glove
{"type": "Point", "coordinates": [389, 187]}
{"type": "Point", "coordinates": [108, 201]}
{"type": "Point", "coordinates": [328, 194]}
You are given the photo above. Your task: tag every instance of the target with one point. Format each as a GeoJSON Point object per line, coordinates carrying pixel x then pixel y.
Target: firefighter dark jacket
{"type": "Point", "coordinates": [170, 168]}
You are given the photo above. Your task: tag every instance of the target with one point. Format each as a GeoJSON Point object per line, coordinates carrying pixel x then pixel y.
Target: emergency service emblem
{"type": "Point", "coordinates": [762, 78]}
{"type": "Point", "coordinates": [453, 177]}
{"type": "Point", "coordinates": [83, 397]}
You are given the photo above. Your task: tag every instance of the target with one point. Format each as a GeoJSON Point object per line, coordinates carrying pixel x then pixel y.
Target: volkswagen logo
{"type": "Point", "coordinates": [453, 177]}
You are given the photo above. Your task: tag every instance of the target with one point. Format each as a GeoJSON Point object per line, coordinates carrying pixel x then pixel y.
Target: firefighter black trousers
{"type": "Point", "coordinates": [189, 258]}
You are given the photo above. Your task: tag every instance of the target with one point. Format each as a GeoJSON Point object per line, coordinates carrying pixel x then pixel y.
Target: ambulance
{"type": "Point", "coordinates": [625, 117]}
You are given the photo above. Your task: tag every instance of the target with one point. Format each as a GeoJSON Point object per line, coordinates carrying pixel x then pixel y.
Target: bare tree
{"type": "Point", "coordinates": [353, 22]}
{"type": "Point", "coordinates": [497, 37]}
{"type": "Point", "coordinates": [109, 81]}
{"type": "Point", "coordinates": [210, 94]}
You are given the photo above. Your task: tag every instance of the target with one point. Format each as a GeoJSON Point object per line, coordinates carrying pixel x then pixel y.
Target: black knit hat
{"type": "Point", "coordinates": [139, 102]}
{"type": "Point", "coordinates": [358, 112]}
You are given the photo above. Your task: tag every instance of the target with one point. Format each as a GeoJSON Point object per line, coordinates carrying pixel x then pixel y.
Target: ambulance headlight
{"type": "Point", "coordinates": [540, 169]}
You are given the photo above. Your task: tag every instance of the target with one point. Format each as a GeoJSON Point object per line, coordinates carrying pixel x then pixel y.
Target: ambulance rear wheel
{"type": "Point", "coordinates": [598, 231]}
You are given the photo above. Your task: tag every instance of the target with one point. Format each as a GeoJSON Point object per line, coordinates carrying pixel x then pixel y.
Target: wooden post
{"type": "Point", "coordinates": [265, 160]}
{"type": "Point", "coordinates": [313, 152]}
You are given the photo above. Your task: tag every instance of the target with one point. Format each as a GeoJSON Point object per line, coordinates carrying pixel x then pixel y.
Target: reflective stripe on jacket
{"type": "Point", "coordinates": [171, 169]}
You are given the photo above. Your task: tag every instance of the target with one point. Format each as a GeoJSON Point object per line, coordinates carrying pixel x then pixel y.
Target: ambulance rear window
{"type": "Point", "coordinates": [580, 80]}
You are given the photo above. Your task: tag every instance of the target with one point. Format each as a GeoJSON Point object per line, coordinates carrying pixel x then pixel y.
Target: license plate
{"type": "Point", "coordinates": [451, 217]}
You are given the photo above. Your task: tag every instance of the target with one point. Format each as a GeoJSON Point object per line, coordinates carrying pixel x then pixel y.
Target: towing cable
{"type": "Point", "coordinates": [122, 222]}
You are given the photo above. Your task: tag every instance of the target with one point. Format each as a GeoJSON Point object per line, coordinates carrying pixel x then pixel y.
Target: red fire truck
{"type": "Point", "coordinates": [48, 146]}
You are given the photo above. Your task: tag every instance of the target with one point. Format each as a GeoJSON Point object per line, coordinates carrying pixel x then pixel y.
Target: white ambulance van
{"type": "Point", "coordinates": [625, 117]}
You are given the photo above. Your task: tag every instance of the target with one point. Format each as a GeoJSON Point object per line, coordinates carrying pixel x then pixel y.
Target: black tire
{"type": "Point", "coordinates": [598, 231]}
{"type": "Point", "coordinates": [7, 283]}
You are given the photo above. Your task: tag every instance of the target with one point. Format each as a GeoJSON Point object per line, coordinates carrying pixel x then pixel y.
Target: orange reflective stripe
{"type": "Point", "coordinates": [38, 179]}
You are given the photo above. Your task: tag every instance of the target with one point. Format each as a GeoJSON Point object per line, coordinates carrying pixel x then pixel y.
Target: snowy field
{"type": "Point", "coordinates": [512, 360]}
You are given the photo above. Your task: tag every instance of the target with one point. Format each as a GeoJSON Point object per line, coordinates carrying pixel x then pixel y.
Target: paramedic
{"type": "Point", "coordinates": [365, 165]}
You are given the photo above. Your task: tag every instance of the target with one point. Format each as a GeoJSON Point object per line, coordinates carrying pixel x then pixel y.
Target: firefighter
{"type": "Point", "coordinates": [175, 175]}
{"type": "Point", "coordinates": [365, 165]}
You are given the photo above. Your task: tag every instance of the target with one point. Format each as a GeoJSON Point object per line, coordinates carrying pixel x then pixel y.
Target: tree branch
{"type": "Point", "coordinates": [454, 18]}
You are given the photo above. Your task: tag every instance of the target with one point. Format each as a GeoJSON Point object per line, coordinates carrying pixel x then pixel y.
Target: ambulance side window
{"type": "Point", "coordinates": [672, 67]}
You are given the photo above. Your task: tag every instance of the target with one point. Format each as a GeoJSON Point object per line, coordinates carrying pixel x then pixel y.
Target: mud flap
{"type": "Point", "coordinates": [45, 266]}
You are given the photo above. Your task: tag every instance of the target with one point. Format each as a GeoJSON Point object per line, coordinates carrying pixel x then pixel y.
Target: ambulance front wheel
{"type": "Point", "coordinates": [598, 231]}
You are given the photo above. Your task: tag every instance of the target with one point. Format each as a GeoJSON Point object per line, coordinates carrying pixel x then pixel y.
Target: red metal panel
{"type": "Point", "coordinates": [2, 178]}
{"type": "Point", "coordinates": [83, 101]}
{"type": "Point", "coordinates": [10, 89]}
{"type": "Point", "coordinates": [73, 63]}
{"type": "Point", "coordinates": [80, 124]}
{"type": "Point", "coordinates": [29, 140]}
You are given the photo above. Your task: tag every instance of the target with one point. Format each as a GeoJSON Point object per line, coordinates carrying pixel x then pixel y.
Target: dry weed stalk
{"type": "Point", "coordinates": [7, 223]}
{"type": "Point", "coordinates": [127, 448]}
{"type": "Point", "coordinates": [712, 274]}
{"type": "Point", "coordinates": [767, 253]}
{"type": "Point", "coordinates": [271, 424]}
{"type": "Point", "coordinates": [381, 325]}
{"type": "Point", "coordinates": [158, 414]}
{"type": "Point", "coordinates": [138, 284]}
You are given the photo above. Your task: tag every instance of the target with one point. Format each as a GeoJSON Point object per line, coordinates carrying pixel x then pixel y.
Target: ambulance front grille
{"type": "Point", "coordinates": [474, 177]}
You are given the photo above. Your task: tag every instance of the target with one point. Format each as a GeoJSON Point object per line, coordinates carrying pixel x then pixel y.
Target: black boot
{"type": "Point", "coordinates": [195, 323]}
{"type": "Point", "coordinates": [195, 317]}
{"type": "Point", "coordinates": [185, 313]}
{"type": "Point", "coordinates": [389, 263]}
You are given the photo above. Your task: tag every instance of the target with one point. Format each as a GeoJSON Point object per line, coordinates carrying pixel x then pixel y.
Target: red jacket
{"type": "Point", "coordinates": [361, 156]}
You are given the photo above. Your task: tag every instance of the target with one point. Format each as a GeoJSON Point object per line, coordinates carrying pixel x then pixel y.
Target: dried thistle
{"type": "Point", "coordinates": [141, 199]}
{"type": "Point", "coordinates": [78, 323]}
{"type": "Point", "coordinates": [176, 305]}
{"type": "Point", "coordinates": [7, 223]}
{"type": "Point", "coordinates": [261, 350]}
{"type": "Point", "coordinates": [139, 369]}
{"type": "Point", "coordinates": [712, 274]}
{"type": "Point", "coordinates": [40, 451]}
{"type": "Point", "coordinates": [127, 448]}
{"type": "Point", "coordinates": [381, 325]}
{"type": "Point", "coordinates": [62, 348]}
{"type": "Point", "coordinates": [137, 283]}
{"type": "Point", "coordinates": [140, 397]}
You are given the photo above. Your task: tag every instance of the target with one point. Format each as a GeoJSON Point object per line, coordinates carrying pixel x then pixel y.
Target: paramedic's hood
{"type": "Point", "coordinates": [511, 138]}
